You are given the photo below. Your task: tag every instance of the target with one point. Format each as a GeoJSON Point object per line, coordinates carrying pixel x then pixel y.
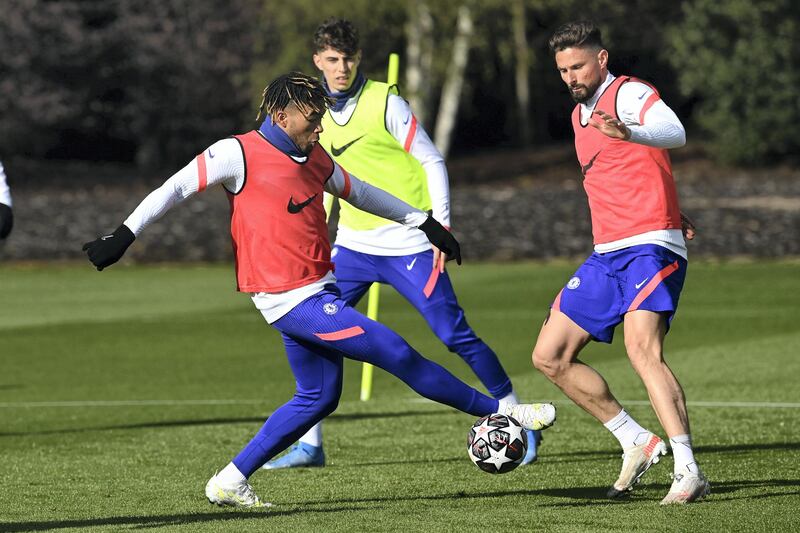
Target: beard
{"type": "Point", "coordinates": [581, 93]}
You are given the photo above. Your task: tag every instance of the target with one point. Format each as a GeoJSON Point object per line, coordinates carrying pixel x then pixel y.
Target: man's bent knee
{"type": "Point", "coordinates": [547, 363]}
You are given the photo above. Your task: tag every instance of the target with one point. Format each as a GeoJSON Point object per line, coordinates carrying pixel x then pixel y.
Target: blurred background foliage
{"type": "Point", "coordinates": [152, 82]}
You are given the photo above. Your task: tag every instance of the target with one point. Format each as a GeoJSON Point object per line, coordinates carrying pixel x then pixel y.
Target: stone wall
{"type": "Point", "coordinates": [538, 212]}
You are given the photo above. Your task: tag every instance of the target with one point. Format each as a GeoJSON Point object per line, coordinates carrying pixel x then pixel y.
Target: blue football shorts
{"type": "Point", "coordinates": [609, 285]}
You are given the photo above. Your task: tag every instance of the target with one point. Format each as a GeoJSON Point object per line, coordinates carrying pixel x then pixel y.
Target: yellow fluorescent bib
{"type": "Point", "coordinates": [366, 149]}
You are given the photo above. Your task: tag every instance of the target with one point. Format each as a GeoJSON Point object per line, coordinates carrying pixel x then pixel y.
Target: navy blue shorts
{"type": "Point", "coordinates": [606, 286]}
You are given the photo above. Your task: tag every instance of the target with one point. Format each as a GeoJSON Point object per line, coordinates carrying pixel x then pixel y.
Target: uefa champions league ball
{"type": "Point", "coordinates": [497, 443]}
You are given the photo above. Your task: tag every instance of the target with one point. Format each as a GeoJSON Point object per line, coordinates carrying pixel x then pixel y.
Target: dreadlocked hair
{"type": "Point", "coordinates": [303, 91]}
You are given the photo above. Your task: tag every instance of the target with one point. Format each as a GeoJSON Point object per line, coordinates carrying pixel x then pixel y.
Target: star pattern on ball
{"type": "Point", "coordinates": [497, 458]}
{"type": "Point", "coordinates": [483, 430]}
{"type": "Point", "coordinates": [514, 432]}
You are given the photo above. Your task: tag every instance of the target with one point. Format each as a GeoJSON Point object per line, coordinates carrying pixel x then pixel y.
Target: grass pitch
{"type": "Point", "coordinates": [121, 392]}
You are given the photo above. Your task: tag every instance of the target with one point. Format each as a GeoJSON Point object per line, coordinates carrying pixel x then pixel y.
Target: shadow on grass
{"type": "Point", "coordinates": [577, 496]}
{"type": "Point", "coordinates": [753, 446]}
{"type": "Point", "coordinates": [609, 453]}
{"type": "Point", "coordinates": [721, 491]}
{"type": "Point", "coordinates": [154, 521]}
{"type": "Point", "coordinates": [219, 421]}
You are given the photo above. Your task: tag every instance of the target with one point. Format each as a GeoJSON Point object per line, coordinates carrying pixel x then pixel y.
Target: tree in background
{"type": "Point", "coordinates": [46, 60]}
{"type": "Point", "coordinates": [284, 39]}
{"type": "Point", "coordinates": [143, 80]}
{"type": "Point", "coordinates": [419, 58]}
{"type": "Point", "coordinates": [151, 80]}
{"type": "Point", "coordinates": [740, 59]}
{"type": "Point", "coordinates": [189, 68]}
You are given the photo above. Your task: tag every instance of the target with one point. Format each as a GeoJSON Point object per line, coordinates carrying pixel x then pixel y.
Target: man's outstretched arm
{"type": "Point", "coordinates": [379, 202]}
{"type": "Point", "coordinates": [223, 163]}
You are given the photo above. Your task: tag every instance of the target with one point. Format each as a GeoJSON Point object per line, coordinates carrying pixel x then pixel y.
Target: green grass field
{"type": "Point", "coordinates": [121, 392]}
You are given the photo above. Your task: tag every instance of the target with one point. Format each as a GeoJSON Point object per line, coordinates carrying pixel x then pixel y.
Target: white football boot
{"type": "Point", "coordinates": [534, 416]}
{"type": "Point", "coordinates": [635, 462]}
{"type": "Point", "coordinates": [239, 494]}
{"type": "Point", "coordinates": [686, 488]}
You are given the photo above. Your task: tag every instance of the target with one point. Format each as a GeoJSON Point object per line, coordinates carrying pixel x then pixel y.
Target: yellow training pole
{"type": "Point", "coordinates": [374, 297]}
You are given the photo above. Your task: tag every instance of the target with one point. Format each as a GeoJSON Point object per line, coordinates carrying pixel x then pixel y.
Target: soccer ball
{"type": "Point", "coordinates": [497, 443]}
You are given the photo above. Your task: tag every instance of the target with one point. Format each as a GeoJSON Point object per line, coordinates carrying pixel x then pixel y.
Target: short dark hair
{"type": "Point", "coordinates": [337, 33]}
{"type": "Point", "coordinates": [577, 34]}
{"type": "Point", "coordinates": [302, 90]}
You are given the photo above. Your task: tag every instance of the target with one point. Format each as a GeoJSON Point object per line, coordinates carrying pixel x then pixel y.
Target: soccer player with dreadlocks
{"type": "Point", "coordinates": [371, 130]}
{"type": "Point", "coordinates": [274, 178]}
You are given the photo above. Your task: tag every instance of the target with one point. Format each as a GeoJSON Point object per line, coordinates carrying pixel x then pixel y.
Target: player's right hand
{"type": "Point", "coordinates": [6, 220]}
{"type": "Point", "coordinates": [108, 249]}
{"type": "Point", "coordinates": [688, 227]}
{"type": "Point", "coordinates": [441, 239]}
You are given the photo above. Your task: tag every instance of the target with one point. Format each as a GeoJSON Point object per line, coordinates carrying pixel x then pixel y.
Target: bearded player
{"type": "Point", "coordinates": [623, 130]}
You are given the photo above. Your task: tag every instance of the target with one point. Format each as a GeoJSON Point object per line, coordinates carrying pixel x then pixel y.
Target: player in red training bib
{"type": "Point", "coordinates": [274, 178]}
{"type": "Point", "coordinates": [635, 275]}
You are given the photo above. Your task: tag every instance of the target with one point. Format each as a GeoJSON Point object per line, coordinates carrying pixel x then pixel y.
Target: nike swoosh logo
{"type": "Point", "coordinates": [411, 265]}
{"type": "Point", "coordinates": [585, 168]}
{"type": "Point", "coordinates": [638, 285]}
{"type": "Point", "coordinates": [339, 151]}
{"type": "Point", "coordinates": [407, 119]}
{"type": "Point", "coordinates": [210, 153]}
{"type": "Point", "coordinates": [644, 93]}
{"type": "Point", "coordinates": [105, 237]}
{"type": "Point", "coordinates": [296, 208]}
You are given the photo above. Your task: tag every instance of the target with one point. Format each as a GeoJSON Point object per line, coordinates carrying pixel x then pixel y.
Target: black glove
{"type": "Point", "coordinates": [6, 220]}
{"type": "Point", "coordinates": [108, 249]}
{"type": "Point", "coordinates": [442, 239]}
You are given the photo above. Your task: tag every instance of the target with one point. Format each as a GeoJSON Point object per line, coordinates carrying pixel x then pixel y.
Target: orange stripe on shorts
{"type": "Point", "coordinates": [557, 302]}
{"type": "Point", "coordinates": [650, 287]}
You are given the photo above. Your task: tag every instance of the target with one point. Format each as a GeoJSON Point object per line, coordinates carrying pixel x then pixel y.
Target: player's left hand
{"type": "Point", "coordinates": [441, 239]}
{"type": "Point", "coordinates": [687, 227]}
{"type": "Point", "coordinates": [610, 126]}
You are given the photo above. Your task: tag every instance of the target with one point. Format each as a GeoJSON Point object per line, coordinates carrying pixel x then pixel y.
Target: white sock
{"type": "Point", "coordinates": [511, 398]}
{"type": "Point", "coordinates": [313, 436]}
{"type": "Point", "coordinates": [628, 432]}
{"type": "Point", "coordinates": [682, 453]}
{"type": "Point", "coordinates": [230, 475]}
{"type": "Point", "coordinates": [503, 407]}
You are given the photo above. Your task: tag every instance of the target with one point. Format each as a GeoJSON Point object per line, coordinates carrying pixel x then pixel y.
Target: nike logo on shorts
{"type": "Point", "coordinates": [411, 264]}
{"type": "Point", "coordinates": [639, 285]}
